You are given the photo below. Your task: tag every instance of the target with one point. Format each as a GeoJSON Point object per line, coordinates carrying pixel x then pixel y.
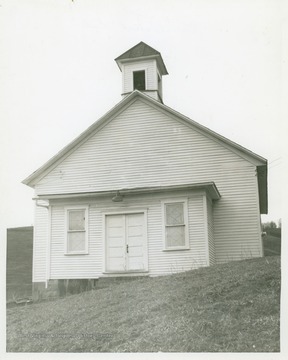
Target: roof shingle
{"type": "Point", "coordinates": [142, 50]}
{"type": "Point", "coordinates": [138, 50]}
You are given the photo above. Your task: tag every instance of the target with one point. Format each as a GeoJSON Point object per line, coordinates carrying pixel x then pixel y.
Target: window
{"type": "Point", "coordinates": [139, 80]}
{"type": "Point", "coordinates": [176, 224]}
{"type": "Point", "coordinates": [76, 231]}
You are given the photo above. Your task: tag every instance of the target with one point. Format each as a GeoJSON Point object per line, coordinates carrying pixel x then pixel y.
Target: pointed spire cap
{"type": "Point", "coordinates": [139, 51]}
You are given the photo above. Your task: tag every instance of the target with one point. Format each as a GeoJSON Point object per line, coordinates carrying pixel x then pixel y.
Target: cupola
{"type": "Point", "coordinates": [142, 69]}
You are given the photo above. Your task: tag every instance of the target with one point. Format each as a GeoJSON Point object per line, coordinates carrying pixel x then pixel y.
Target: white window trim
{"type": "Point", "coordinates": [67, 209]}
{"type": "Point", "coordinates": [186, 222]}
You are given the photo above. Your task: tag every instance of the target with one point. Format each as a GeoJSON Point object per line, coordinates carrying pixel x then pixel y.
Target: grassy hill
{"type": "Point", "coordinates": [19, 262]}
{"type": "Point", "coordinates": [232, 307]}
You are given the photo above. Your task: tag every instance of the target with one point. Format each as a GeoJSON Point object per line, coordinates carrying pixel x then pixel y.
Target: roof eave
{"type": "Point", "coordinates": [209, 187]}
{"type": "Point", "coordinates": [158, 58]}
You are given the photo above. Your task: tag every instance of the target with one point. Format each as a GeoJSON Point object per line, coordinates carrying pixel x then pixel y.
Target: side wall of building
{"type": "Point", "coordinates": [210, 229]}
{"type": "Point", "coordinates": [40, 240]}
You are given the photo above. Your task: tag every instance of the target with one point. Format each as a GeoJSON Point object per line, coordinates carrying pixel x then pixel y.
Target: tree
{"type": "Point", "coordinates": [269, 225]}
{"type": "Point", "coordinates": [279, 223]}
{"type": "Point", "coordinates": [271, 228]}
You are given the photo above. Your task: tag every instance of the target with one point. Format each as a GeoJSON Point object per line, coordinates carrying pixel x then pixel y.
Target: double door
{"type": "Point", "coordinates": [126, 243]}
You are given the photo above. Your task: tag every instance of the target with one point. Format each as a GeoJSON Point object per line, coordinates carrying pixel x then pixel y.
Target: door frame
{"type": "Point", "coordinates": [145, 239]}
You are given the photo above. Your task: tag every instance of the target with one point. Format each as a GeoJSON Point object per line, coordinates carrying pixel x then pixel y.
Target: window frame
{"type": "Point", "coordinates": [184, 202]}
{"type": "Point", "coordinates": [86, 214]}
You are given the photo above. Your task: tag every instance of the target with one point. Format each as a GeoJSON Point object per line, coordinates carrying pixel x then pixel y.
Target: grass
{"type": "Point", "coordinates": [19, 263]}
{"type": "Point", "coordinates": [232, 307]}
{"type": "Point", "coordinates": [19, 260]}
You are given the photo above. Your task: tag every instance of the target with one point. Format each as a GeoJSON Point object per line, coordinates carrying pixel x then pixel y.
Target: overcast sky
{"type": "Point", "coordinates": [58, 75]}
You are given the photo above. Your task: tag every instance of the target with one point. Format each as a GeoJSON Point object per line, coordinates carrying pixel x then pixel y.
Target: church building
{"type": "Point", "coordinates": [145, 191]}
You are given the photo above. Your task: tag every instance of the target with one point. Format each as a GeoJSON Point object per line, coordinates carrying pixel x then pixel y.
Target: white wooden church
{"type": "Point", "coordinates": [145, 191]}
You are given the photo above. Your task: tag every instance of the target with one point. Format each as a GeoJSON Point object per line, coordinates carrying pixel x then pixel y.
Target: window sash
{"type": "Point", "coordinates": [76, 220]}
{"type": "Point", "coordinates": [76, 231]}
{"type": "Point", "coordinates": [76, 241]}
{"type": "Point", "coordinates": [174, 214]}
{"type": "Point", "coordinates": [175, 236]}
{"type": "Point", "coordinates": [175, 224]}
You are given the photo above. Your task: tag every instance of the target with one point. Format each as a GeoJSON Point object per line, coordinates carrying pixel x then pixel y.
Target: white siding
{"type": "Point", "coordinates": [159, 261]}
{"type": "Point", "coordinates": [40, 238]}
{"type": "Point", "coordinates": [75, 266]}
{"type": "Point", "coordinates": [236, 225]}
{"type": "Point", "coordinates": [150, 67]}
{"type": "Point", "coordinates": [143, 147]}
{"type": "Point", "coordinates": [167, 262]}
{"type": "Point", "coordinates": [151, 79]}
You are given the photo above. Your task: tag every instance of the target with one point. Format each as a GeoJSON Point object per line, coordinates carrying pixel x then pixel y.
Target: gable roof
{"type": "Point", "coordinates": [253, 158]}
{"type": "Point", "coordinates": [139, 51]}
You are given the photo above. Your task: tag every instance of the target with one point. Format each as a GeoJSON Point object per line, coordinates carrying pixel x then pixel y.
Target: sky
{"type": "Point", "coordinates": [226, 62]}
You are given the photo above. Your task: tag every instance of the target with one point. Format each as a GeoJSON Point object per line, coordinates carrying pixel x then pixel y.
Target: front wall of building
{"type": "Point", "coordinates": [144, 147]}
{"type": "Point", "coordinates": [159, 261]}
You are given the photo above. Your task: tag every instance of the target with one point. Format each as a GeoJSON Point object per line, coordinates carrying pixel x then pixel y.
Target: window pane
{"type": "Point", "coordinates": [174, 214]}
{"type": "Point", "coordinates": [77, 220]}
{"type": "Point", "coordinates": [76, 241]}
{"type": "Point", "coordinates": [175, 236]}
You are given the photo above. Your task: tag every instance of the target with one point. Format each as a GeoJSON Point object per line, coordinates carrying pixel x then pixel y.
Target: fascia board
{"type": "Point", "coordinates": [209, 187]}
{"type": "Point", "coordinates": [157, 57]}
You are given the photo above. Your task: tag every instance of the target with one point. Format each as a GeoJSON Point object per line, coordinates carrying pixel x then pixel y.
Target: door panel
{"type": "Point", "coordinates": [115, 232]}
{"type": "Point", "coordinates": [135, 241]}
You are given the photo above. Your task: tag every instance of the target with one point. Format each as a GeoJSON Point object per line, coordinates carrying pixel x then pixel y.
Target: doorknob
{"type": "Point", "coordinates": [127, 248]}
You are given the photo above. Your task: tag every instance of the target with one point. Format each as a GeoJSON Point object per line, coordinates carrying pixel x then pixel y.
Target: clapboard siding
{"type": "Point", "coordinates": [148, 65]}
{"type": "Point", "coordinates": [75, 266]}
{"type": "Point", "coordinates": [144, 147]}
{"type": "Point", "coordinates": [236, 219]}
{"type": "Point", "coordinates": [160, 262]}
{"type": "Point", "coordinates": [166, 262]}
{"type": "Point", "coordinates": [40, 238]}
